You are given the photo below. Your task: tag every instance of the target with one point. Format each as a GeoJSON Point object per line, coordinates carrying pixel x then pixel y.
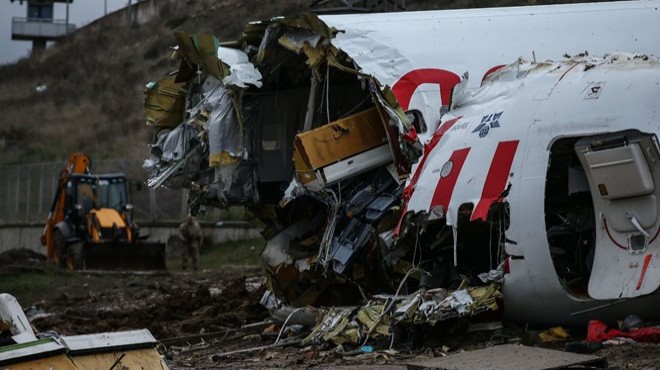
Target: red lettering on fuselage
{"type": "Point", "coordinates": [405, 87]}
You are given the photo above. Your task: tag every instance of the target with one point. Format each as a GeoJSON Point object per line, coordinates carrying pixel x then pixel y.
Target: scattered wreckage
{"type": "Point", "coordinates": [20, 348]}
{"type": "Point", "coordinates": [330, 133]}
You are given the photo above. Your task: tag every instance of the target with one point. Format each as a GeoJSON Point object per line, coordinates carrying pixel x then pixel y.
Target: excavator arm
{"type": "Point", "coordinates": [89, 224]}
{"type": "Point", "coordinates": [77, 163]}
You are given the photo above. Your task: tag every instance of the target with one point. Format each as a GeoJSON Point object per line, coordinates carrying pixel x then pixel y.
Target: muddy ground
{"type": "Point", "coordinates": [198, 315]}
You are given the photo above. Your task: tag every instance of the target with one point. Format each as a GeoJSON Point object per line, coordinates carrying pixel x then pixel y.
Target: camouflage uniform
{"type": "Point", "coordinates": [190, 235]}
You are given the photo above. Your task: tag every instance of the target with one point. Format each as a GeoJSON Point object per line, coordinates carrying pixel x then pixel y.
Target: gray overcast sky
{"type": "Point", "coordinates": [81, 12]}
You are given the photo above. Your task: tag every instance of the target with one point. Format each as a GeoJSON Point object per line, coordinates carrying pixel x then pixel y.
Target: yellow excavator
{"type": "Point", "coordinates": [90, 225]}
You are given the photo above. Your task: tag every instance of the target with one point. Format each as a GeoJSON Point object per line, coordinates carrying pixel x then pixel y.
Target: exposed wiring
{"type": "Point", "coordinates": [333, 201]}
{"type": "Point", "coordinates": [285, 322]}
{"type": "Point", "coordinates": [387, 307]}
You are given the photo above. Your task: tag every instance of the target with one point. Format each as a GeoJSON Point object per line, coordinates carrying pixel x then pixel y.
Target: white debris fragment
{"type": "Point", "coordinates": [243, 72]}
{"type": "Point", "coordinates": [459, 300]}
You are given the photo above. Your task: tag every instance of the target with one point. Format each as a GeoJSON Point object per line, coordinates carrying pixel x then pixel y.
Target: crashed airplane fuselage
{"type": "Point", "coordinates": [373, 164]}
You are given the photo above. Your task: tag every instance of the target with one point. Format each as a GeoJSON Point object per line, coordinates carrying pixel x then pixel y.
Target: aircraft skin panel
{"type": "Point", "coordinates": [379, 47]}
{"type": "Point", "coordinates": [369, 39]}
{"type": "Point", "coordinates": [554, 101]}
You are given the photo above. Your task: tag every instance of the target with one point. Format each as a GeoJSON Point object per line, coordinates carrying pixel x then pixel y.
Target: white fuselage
{"type": "Point", "coordinates": [536, 105]}
{"type": "Point", "coordinates": [422, 56]}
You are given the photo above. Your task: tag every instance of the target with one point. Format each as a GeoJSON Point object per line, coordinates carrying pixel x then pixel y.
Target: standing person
{"type": "Point", "coordinates": [190, 235]}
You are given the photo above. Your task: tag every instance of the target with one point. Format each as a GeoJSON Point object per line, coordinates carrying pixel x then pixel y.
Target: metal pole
{"type": "Point", "coordinates": [130, 19]}
{"type": "Point", "coordinates": [105, 7]}
{"type": "Point", "coordinates": [67, 17]}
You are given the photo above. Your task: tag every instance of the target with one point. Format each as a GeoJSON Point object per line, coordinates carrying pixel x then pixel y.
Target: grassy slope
{"type": "Point", "coordinates": [95, 78]}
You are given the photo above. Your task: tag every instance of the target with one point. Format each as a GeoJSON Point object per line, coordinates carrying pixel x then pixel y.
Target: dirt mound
{"type": "Point", "coordinates": [168, 306]}
{"type": "Point", "coordinates": [21, 257]}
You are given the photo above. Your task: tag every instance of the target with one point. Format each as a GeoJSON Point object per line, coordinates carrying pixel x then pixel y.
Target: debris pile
{"type": "Point", "coordinates": [23, 258]}
{"type": "Point", "coordinates": [305, 133]}
{"type": "Point", "coordinates": [21, 348]}
{"type": "Point", "coordinates": [384, 316]}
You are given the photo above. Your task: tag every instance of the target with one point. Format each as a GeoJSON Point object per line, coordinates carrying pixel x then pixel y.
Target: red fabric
{"type": "Point", "coordinates": [597, 332]}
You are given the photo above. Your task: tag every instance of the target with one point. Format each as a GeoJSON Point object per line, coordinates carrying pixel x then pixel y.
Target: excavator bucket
{"type": "Point", "coordinates": [141, 255]}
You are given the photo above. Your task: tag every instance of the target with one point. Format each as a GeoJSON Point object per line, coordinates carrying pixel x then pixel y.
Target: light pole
{"type": "Point", "coordinates": [67, 17]}
{"type": "Point", "coordinates": [105, 7]}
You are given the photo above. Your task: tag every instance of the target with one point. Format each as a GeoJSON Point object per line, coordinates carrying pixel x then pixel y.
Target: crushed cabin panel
{"type": "Point", "coordinates": [340, 139]}
{"type": "Point", "coordinates": [164, 103]}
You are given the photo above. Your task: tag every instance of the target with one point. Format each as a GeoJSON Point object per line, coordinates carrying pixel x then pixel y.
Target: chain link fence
{"type": "Point", "coordinates": [27, 192]}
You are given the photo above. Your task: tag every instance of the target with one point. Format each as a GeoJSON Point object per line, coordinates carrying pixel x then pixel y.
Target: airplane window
{"type": "Point", "coordinates": [416, 119]}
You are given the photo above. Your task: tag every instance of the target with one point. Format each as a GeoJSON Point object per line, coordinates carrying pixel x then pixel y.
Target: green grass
{"type": "Point", "coordinates": [29, 287]}
{"type": "Point", "coordinates": [243, 252]}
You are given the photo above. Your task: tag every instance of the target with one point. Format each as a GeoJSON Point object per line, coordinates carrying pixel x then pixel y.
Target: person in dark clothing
{"type": "Point", "coordinates": [190, 235]}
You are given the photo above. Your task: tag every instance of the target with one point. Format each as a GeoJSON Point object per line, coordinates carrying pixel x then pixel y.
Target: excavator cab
{"type": "Point", "coordinates": [98, 207]}
{"type": "Point", "coordinates": [90, 224]}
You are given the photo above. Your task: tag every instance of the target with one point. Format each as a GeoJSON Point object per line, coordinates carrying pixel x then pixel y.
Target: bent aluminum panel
{"type": "Point", "coordinates": [105, 341]}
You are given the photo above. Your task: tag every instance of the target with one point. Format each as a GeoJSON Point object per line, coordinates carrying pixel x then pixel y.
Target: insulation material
{"type": "Point", "coordinates": [200, 52]}
{"type": "Point", "coordinates": [181, 148]}
{"type": "Point", "coordinates": [224, 130]}
{"type": "Point", "coordinates": [164, 103]}
{"type": "Point", "coordinates": [241, 72]}
{"type": "Point", "coordinates": [297, 39]}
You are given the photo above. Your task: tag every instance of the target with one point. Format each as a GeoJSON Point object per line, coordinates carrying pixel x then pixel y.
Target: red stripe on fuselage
{"type": "Point", "coordinates": [405, 87]}
{"type": "Point", "coordinates": [498, 173]}
{"type": "Point", "coordinates": [435, 139]}
{"type": "Point", "coordinates": [647, 260]}
{"type": "Point", "coordinates": [445, 187]}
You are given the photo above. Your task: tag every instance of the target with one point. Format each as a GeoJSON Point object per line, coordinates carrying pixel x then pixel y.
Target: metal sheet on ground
{"type": "Point", "coordinates": [509, 357]}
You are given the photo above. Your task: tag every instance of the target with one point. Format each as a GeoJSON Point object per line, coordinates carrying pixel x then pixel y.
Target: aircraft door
{"type": "Point", "coordinates": [623, 170]}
